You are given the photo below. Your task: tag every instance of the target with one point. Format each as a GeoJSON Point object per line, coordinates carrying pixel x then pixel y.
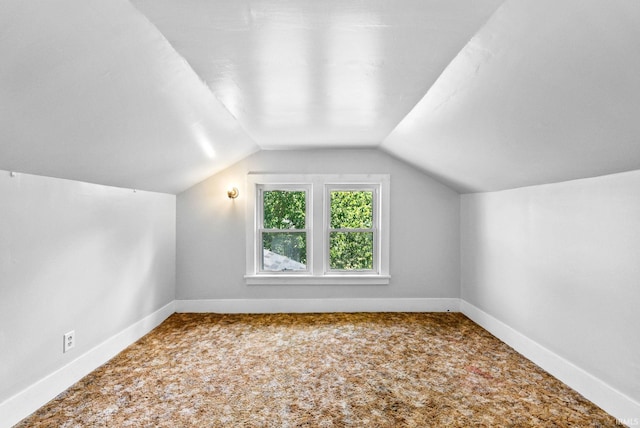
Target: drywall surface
{"type": "Point", "coordinates": [424, 242]}
{"type": "Point", "coordinates": [560, 263]}
{"type": "Point", "coordinates": [76, 256]}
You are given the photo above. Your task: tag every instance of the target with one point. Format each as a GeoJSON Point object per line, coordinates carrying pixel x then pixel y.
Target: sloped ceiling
{"type": "Point", "coordinates": [160, 94]}
{"type": "Point", "coordinates": [546, 91]}
{"type": "Point", "coordinates": [91, 91]}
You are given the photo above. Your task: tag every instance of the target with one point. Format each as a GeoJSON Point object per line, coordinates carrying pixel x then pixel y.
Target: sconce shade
{"type": "Point", "coordinates": [233, 192]}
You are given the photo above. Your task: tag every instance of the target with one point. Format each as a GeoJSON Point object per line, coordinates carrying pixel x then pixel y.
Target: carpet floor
{"type": "Point", "coordinates": [319, 370]}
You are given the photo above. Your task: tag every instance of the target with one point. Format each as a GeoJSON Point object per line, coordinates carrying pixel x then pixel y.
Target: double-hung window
{"type": "Point", "coordinates": [283, 235]}
{"type": "Point", "coordinates": [317, 229]}
{"type": "Point", "coordinates": [352, 233]}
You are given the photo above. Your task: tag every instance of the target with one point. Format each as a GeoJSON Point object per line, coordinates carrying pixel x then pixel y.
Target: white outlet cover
{"type": "Point", "coordinates": [69, 341]}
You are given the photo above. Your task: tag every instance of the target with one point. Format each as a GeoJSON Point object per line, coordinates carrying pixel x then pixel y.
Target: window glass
{"type": "Point", "coordinates": [351, 250]}
{"type": "Point", "coordinates": [284, 251]}
{"type": "Point", "coordinates": [284, 209]}
{"type": "Point", "coordinates": [351, 209]}
{"type": "Point", "coordinates": [351, 234]}
{"type": "Point", "coordinates": [283, 248]}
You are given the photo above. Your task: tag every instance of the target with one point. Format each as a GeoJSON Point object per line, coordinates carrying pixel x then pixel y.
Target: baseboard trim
{"type": "Point", "coordinates": [269, 306]}
{"type": "Point", "coordinates": [612, 401]}
{"type": "Point", "coordinates": [21, 405]}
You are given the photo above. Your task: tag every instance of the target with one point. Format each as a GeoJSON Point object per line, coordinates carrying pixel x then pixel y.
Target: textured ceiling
{"type": "Point", "coordinates": [160, 94]}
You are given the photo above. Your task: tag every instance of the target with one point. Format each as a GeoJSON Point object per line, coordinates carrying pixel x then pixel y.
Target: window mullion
{"type": "Point", "coordinates": [315, 226]}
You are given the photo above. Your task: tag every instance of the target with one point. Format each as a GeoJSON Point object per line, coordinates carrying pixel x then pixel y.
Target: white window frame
{"type": "Point", "coordinates": [260, 189]}
{"type": "Point", "coordinates": [375, 189]}
{"type": "Point", "coordinates": [317, 224]}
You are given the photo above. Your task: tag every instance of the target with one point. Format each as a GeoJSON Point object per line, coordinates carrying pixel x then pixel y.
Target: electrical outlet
{"type": "Point", "coordinates": [69, 341]}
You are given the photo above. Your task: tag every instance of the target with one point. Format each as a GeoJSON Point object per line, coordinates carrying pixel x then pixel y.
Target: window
{"type": "Point", "coordinates": [317, 229]}
{"type": "Point", "coordinates": [282, 229]}
{"type": "Point", "coordinates": [351, 230]}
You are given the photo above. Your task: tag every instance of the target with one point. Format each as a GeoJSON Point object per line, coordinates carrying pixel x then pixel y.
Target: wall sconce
{"type": "Point", "coordinates": [233, 192]}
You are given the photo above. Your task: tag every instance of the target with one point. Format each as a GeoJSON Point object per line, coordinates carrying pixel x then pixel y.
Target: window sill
{"type": "Point", "coordinates": [288, 279]}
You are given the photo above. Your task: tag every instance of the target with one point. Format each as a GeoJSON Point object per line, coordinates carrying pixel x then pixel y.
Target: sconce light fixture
{"type": "Point", "coordinates": [233, 192]}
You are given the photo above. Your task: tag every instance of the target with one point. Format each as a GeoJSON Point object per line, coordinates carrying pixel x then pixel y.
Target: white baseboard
{"type": "Point", "coordinates": [621, 407]}
{"type": "Point", "coordinates": [269, 306]}
{"type": "Point", "coordinates": [21, 405]}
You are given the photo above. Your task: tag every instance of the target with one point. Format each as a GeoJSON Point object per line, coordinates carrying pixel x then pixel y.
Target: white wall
{"type": "Point", "coordinates": [424, 248]}
{"type": "Point", "coordinates": [76, 256]}
{"type": "Point", "coordinates": [560, 263]}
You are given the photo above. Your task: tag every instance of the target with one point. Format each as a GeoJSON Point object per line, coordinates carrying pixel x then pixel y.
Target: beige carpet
{"type": "Point", "coordinates": [319, 370]}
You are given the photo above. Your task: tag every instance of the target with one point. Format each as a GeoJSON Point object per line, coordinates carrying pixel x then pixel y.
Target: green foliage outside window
{"type": "Point", "coordinates": [285, 210]}
{"type": "Point", "coordinates": [351, 250]}
{"type": "Point", "coordinates": [348, 249]}
{"type": "Point", "coordinates": [351, 209]}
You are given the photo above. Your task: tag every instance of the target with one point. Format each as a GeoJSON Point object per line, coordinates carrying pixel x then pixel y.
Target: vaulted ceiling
{"type": "Point", "coordinates": [160, 94]}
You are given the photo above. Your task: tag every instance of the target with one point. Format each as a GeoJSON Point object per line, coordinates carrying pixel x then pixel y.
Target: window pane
{"type": "Point", "coordinates": [285, 251]}
{"type": "Point", "coordinates": [351, 251]}
{"type": "Point", "coordinates": [351, 209]}
{"type": "Point", "coordinates": [283, 209]}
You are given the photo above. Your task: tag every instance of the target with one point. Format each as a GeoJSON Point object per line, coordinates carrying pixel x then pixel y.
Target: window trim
{"type": "Point", "coordinates": [375, 189]}
{"type": "Point", "coordinates": [259, 229]}
{"type": "Point", "coordinates": [318, 226]}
